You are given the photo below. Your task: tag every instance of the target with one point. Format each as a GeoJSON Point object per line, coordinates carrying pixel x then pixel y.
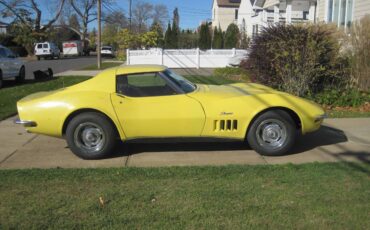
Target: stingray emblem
{"type": "Point", "coordinates": [226, 113]}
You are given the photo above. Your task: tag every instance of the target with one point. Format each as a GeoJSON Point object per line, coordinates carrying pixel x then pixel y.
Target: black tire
{"type": "Point", "coordinates": [22, 75]}
{"type": "Point", "coordinates": [272, 133]}
{"type": "Point", "coordinates": [1, 79]}
{"type": "Point", "coordinates": [93, 125]}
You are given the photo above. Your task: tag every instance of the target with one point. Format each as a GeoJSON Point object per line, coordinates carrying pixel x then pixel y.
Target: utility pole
{"type": "Point", "coordinates": [130, 13]}
{"type": "Point", "coordinates": [99, 35]}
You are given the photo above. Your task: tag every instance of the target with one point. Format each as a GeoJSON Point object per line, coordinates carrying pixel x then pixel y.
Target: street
{"type": "Point", "coordinates": [58, 65]}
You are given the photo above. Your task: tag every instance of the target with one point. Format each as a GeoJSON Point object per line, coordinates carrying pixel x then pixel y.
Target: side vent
{"type": "Point", "coordinates": [225, 125]}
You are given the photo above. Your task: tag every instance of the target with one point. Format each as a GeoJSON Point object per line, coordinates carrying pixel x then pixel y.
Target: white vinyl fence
{"type": "Point", "coordinates": [186, 58]}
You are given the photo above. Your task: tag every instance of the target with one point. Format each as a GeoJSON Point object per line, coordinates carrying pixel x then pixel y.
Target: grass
{"type": "Point", "coordinates": [313, 196]}
{"type": "Point", "coordinates": [10, 96]}
{"type": "Point", "coordinates": [104, 65]}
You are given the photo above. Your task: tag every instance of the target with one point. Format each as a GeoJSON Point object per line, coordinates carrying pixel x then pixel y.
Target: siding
{"type": "Point", "coordinates": [321, 9]}
{"type": "Point", "coordinates": [361, 8]}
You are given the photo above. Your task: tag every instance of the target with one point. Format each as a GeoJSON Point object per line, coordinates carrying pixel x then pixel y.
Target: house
{"type": "Point", "coordinates": [3, 28]}
{"type": "Point", "coordinates": [342, 12]}
{"type": "Point", "coordinates": [225, 12]}
{"type": "Point", "coordinates": [255, 14]}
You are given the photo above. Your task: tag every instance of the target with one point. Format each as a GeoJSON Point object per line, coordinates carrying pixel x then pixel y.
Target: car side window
{"type": "Point", "coordinates": [39, 46]}
{"type": "Point", "coordinates": [45, 46]}
{"type": "Point", "coordinates": [2, 53]}
{"type": "Point", "coordinates": [9, 53]}
{"type": "Point", "coordinates": [143, 85]}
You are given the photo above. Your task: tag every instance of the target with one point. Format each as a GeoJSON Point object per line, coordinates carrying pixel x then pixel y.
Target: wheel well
{"type": "Point", "coordinates": [78, 112]}
{"type": "Point", "coordinates": [291, 113]}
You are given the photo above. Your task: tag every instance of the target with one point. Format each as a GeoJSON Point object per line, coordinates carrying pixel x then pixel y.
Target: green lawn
{"type": "Point", "coordinates": [9, 96]}
{"type": "Point", "coordinates": [104, 65]}
{"type": "Point", "coordinates": [313, 196]}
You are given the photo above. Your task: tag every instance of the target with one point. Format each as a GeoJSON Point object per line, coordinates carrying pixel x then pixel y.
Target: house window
{"type": "Point", "coordinates": [255, 30]}
{"type": "Point", "coordinates": [340, 12]}
{"type": "Point", "coordinates": [236, 14]}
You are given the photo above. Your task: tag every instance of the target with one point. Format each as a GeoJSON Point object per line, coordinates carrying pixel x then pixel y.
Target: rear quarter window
{"type": "Point", "coordinates": [45, 46]}
{"type": "Point", "coordinates": [39, 46]}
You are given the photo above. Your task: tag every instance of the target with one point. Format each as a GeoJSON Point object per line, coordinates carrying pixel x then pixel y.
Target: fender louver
{"type": "Point", "coordinates": [225, 125]}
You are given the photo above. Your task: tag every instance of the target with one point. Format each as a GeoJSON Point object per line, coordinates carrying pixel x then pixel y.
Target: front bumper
{"type": "Point", "coordinates": [25, 123]}
{"type": "Point", "coordinates": [320, 118]}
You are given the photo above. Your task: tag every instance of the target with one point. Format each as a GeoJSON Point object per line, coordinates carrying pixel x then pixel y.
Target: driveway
{"type": "Point", "coordinates": [338, 140]}
{"type": "Point", "coordinates": [58, 65]}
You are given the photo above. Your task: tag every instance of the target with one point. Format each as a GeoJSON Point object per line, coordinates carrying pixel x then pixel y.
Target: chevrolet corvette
{"type": "Point", "coordinates": [141, 102]}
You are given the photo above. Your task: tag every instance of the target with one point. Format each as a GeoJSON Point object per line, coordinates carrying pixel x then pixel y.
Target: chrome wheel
{"type": "Point", "coordinates": [89, 136]}
{"type": "Point", "coordinates": [271, 133]}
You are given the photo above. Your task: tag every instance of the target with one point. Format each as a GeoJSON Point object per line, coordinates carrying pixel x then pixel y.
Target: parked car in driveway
{"type": "Point", "coordinates": [152, 102]}
{"type": "Point", "coordinates": [46, 50]}
{"type": "Point", "coordinates": [10, 66]}
{"type": "Point", "coordinates": [107, 51]}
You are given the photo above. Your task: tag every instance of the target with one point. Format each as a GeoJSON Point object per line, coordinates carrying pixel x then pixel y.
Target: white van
{"type": "Point", "coordinates": [46, 50]}
{"type": "Point", "coordinates": [10, 66]}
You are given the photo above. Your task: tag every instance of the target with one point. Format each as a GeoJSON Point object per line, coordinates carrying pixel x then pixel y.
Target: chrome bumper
{"type": "Point", "coordinates": [320, 118]}
{"type": "Point", "coordinates": [25, 123]}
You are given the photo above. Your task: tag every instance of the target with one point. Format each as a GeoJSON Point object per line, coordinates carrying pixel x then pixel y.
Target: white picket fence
{"type": "Point", "coordinates": [186, 58]}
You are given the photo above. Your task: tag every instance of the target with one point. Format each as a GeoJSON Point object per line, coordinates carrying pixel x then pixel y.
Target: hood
{"type": "Point", "coordinates": [233, 90]}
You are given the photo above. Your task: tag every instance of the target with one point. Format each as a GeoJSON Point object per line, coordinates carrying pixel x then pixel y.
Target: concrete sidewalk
{"type": "Point", "coordinates": [338, 140]}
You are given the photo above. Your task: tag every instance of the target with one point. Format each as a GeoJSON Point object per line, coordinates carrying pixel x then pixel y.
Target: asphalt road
{"type": "Point", "coordinates": [58, 65]}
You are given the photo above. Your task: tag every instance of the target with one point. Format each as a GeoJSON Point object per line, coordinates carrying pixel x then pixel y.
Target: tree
{"type": "Point", "coordinates": [73, 22]}
{"type": "Point", "coordinates": [113, 22]}
{"type": "Point", "coordinates": [27, 22]}
{"type": "Point", "coordinates": [232, 36]}
{"type": "Point", "coordinates": [149, 39]}
{"type": "Point", "coordinates": [188, 39]}
{"type": "Point", "coordinates": [142, 12]}
{"type": "Point", "coordinates": [168, 37]}
{"type": "Point", "coordinates": [116, 19]}
{"type": "Point", "coordinates": [176, 17]}
{"type": "Point", "coordinates": [218, 40]}
{"type": "Point", "coordinates": [86, 11]}
{"type": "Point", "coordinates": [157, 28]}
{"type": "Point", "coordinates": [126, 39]}
{"type": "Point", "coordinates": [160, 15]}
{"type": "Point", "coordinates": [205, 38]}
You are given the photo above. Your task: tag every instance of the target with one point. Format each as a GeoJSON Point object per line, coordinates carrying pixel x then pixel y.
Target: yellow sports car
{"type": "Point", "coordinates": [151, 101]}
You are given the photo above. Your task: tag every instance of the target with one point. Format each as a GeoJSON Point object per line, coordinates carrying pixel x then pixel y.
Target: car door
{"type": "Point", "coordinates": [13, 62]}
{"type": "Point", "coordinates": [4, 63]}
{"type": "Point", "coordinates": [147, 105]}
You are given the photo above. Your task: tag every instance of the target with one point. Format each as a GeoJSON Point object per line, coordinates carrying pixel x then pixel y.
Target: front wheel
{"type": "Point", "coordinates": [272, 134]}
{"type": "Point", "coordinates": [91, 136]}
{"type": "Point", "coordinates": [1, 79]}
{"type": "Point", "coordinates": [21, 76]}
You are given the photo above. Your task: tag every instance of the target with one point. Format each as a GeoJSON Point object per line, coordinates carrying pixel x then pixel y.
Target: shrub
{"type": "Point", "coordinates": [360, 44]}
{"type": "Point", "coordinates": [232, 36]}
{"type": "Point", "coordinates": [335, 97]}
{"type": "Point", "coordinates": [299, 59]}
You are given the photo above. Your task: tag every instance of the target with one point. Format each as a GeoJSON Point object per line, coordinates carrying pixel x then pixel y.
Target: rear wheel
{"type": "Point", "coordinates": [273, 133]}
{"type": "Point", "coordinates": [91, 136]}
{"type": "Point", "coordinates": [22, 75]}
{"type": "Point", "coordinates": [1, 79]}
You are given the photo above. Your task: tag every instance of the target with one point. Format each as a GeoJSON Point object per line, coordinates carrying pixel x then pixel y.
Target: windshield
{"type": "Point", "coordinates": [181, 82]}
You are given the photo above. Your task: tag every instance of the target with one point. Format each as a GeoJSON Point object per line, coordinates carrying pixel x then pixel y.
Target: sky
{"type": "Point", "coordinates": [192, 12]}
